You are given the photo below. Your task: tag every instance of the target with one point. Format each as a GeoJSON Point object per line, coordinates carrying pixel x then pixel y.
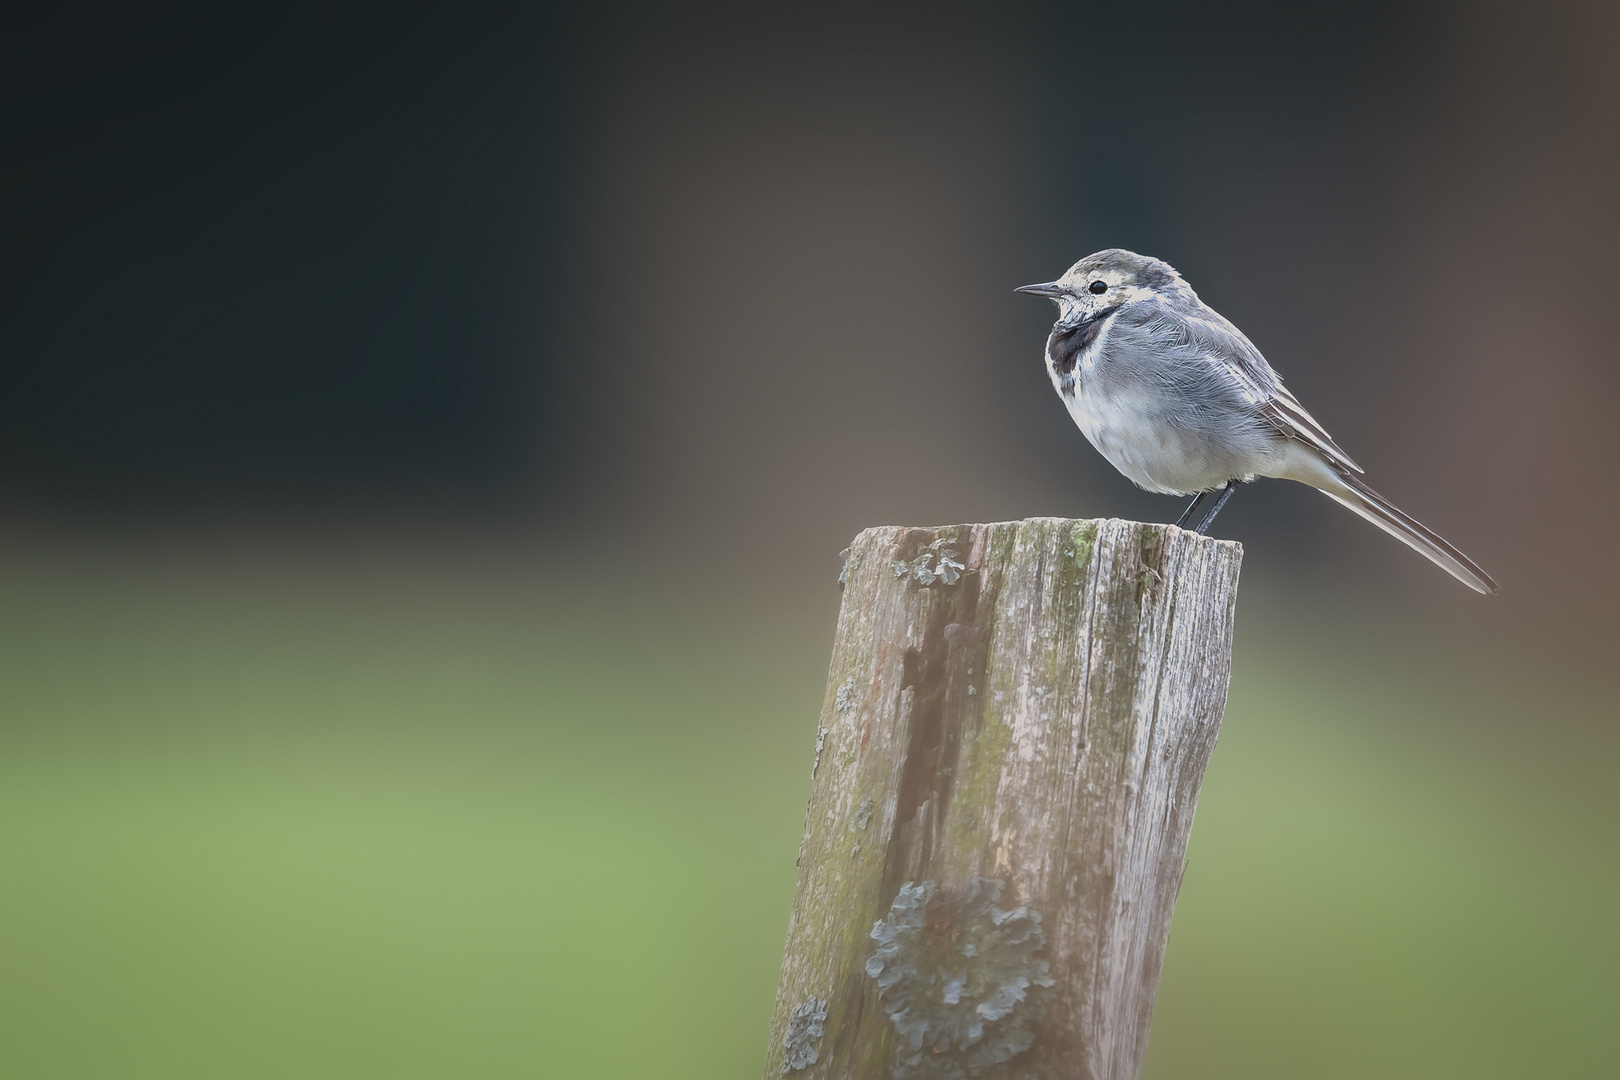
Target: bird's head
{"type": "Point", "coordinates": [1106, 282]}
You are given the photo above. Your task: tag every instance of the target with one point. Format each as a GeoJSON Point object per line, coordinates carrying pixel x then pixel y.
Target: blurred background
{"type": "Point", "coordinates": [426, 439]}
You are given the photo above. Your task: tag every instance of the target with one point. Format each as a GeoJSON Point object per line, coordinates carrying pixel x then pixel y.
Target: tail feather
{"type": "Point", "coordinates": [1357, 496]}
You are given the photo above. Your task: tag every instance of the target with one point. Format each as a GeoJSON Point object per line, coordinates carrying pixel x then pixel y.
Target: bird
{"type": "Point", "coordinates": [1182, 403]}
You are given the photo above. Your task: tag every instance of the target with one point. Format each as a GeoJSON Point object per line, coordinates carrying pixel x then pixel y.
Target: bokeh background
{"type": "Point", "coordinates": [426, 438]}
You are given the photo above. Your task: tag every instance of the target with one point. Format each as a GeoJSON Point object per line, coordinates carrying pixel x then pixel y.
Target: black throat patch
{"type": "Point", "coordinates": [1064, 347]}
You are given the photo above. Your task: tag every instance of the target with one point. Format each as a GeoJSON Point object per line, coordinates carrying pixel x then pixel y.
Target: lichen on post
{"type": "Point", "coordinates": [1017, 722]}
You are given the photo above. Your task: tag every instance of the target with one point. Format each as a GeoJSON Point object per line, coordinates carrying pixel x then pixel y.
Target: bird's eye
{"type": "Point", "coordinates": [1098, 287]}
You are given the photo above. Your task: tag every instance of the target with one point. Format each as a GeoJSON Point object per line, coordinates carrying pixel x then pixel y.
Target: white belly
{"type": "Point", "coordinates": [1123, 427]}
{"type": "Point", "coordinates": [1147, 452]}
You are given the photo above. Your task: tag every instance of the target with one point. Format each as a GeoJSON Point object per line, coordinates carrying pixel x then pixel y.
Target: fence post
{"type": "Point", "coordinates": [1017, 721]}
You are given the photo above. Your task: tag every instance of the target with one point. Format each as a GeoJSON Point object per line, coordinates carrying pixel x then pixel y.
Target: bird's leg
{"type": "Point", "coordinates": [1192, 508]}
{"type": "Point", "coordinates": [1220, 501]}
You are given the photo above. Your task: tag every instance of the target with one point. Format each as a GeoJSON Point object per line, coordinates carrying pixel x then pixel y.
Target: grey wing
{"type": "Point", "coordinates": [1208, 335]}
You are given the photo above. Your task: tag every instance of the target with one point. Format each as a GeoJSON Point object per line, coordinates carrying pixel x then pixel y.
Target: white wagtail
{"type": "Point", "coordinates": [1177, 399]}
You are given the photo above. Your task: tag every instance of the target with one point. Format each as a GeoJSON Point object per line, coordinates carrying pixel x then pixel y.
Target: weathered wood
{"type": "Point", "coordinates": [1017, 722]}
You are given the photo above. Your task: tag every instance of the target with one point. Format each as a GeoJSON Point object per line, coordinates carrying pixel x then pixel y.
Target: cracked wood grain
{"type": "Point", "coordinates": [1027, 732]}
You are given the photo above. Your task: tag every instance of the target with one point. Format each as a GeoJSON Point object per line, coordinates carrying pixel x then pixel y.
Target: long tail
{"type": "Point", "coordinates": [1402, 526]}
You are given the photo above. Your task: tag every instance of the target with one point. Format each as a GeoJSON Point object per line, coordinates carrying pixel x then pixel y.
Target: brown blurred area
{"type": "Point", "coordinates": [806, 235]}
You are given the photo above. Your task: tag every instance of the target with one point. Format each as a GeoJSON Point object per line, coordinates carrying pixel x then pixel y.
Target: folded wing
{"type": "Point", "coordinates": [1224, 343]}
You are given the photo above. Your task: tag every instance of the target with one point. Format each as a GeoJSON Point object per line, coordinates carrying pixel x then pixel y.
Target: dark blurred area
{"type": "Point", "coordinates": [746, 271]}
{"type": "Point", "coordinates": [421, 428]}
{"type": "Point", "coordinates": [290, 260]}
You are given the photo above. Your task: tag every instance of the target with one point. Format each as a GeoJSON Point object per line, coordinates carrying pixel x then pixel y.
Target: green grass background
{"type": "Point", "coordinates": [290, 826]}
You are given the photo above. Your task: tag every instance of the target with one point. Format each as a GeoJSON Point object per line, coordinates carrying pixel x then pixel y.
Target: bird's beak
{"type": "Point", "coordinates": [1049, 289]}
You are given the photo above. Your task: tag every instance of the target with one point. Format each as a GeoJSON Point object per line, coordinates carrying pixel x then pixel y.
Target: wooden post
{"type": "Point", "coordinates": [1017, 721]}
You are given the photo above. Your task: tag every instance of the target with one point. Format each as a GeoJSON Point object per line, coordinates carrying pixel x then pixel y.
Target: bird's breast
{"type": "Point", "coordinates": [1125, 418]}
{"type": "Point", "coordinates": [1125, 432]}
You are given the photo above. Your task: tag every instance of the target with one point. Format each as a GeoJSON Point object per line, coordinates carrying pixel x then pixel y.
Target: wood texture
{"type": "Point", "coordinates": [1017, 721]}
